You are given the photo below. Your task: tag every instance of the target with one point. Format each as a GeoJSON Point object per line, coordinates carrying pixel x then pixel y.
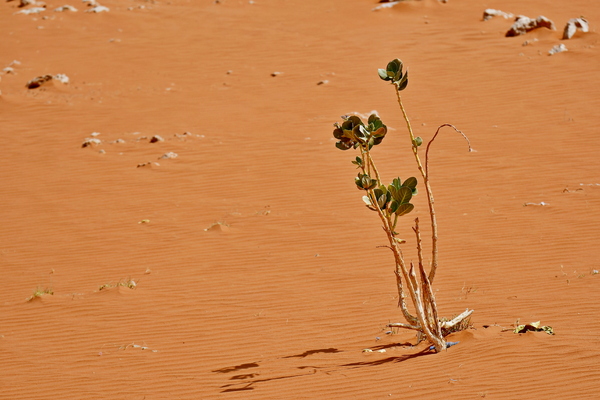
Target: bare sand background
{"type": "Point", "coordinates": [280, 301]}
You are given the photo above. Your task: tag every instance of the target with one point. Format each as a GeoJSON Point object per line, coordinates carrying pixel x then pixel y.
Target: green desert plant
{"type": "Point", "coordinates": [39, 292]}
{"type": "Point", "coordinates": [393, 201]}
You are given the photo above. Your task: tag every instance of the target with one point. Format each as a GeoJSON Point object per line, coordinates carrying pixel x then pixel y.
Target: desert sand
{"type": "Point", "coordinates": [247, 266]}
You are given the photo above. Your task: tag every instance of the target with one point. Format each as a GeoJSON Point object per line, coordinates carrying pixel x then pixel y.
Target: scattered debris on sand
{"type": "Point", "coordinates": [168, 155]}
{"type": "Point", "coordinates": [38, 81]}
{"type": "Point", "coordinates": [218, 227]}
{"type": "Point", "coordinates": [529, 42]}
{"type": "Point", "coordinates": [90, 142]}
{"type": "Point", "coordinates": [183, 135]}
{"type": "Point", "coordinates": [98, 9]}
{"type": "Point", "coordinates": [525, 24]}
{"type": "Point", "coordinates": [559, 48]}
{"type": "Point", "coordinates": [25, 3]}
{"type": "Point", "coordinates": [34, 10]}
{"type": "Point", "coordinates": [66, 7]}
{"type": "Point", "coordinates": [149, 164]}
{"type": "Point", "coordinates": [491, 13]}
{"type": "Point", "coordinates": [156, 138]}
{"type": "Point", "coordinates": [9, 68]}
{"type": "Point", "coordinates": [43, 79]}
{"type": "Point", "coordinates": [61, 78]}
{"type": "Point", "coordinates": [536, 204]}
{"type": "Point", "coordinates": [573, 25]}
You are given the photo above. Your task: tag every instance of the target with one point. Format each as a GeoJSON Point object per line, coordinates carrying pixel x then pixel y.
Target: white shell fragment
{"type": "Point", "coordinates": [34, 10]}
{"type": "Point", "coordinates": [385, 5]}
{"type": "Point", "coordinates": [61, 78]}
{"type": "Point", "coordinates": [559, 48]}
{"type": "Point", "coordinates": [491, 13]}
{"type": "Point", "coordinates": [98, 9]}
{"type": "Point", "coordinates": [573, 25]}
{"type": "Point", "coordinates": [525, 24]}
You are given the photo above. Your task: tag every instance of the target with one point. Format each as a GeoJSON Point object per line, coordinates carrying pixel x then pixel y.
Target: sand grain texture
{"type": "Point", "coordinates": [278, 299]}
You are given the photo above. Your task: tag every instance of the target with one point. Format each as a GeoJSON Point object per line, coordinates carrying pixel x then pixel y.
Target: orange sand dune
{"type": "Point", "coordinates": [256, 267]}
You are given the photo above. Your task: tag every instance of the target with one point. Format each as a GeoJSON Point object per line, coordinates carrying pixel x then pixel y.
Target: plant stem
{"type": "Point", "coordinates": [430, 200]}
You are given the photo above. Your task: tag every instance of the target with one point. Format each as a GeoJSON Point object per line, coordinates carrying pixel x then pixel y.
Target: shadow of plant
{"type": "Point", "coordinates": [250, 380]}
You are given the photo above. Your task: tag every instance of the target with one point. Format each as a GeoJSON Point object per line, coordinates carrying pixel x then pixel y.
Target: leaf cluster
{"type": "Point", "coordinates": [353, 132]}
{"type": "Point", "coordinates": [393, 73]}
{"type": "Point", "coordinates": [395, 198]}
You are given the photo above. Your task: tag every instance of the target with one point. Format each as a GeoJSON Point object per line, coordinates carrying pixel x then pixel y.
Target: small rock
{"type": "Point", "coordinates": [491, 13]}
{"type": "Point", "coordinates": [94, 134]}
{"type": "Point", "coordinates": [386, 4]}
{"type": "Point", "coordinates": [61, 78]}
{"type": "Point", "coordinates": [118, 141]}
{"type": "Point", "coordinates": [91, 142]}
{"type": "Point", "coordinates": [528, 42]}
{"type": "Point", "coordinates": [38, 81]}
{"type": "Point", "coordinates": [169, 155]}
{"type": "Point", "coordinates": [276, 73]}
{"type": "Point", "coordinates": [66, 7]}
{"type": "Point", "coordinates": [98, 9]}
{"type": "Point", "coordinates": [323, 82]}
{"type": "Point", "coordinates": [525, 24]}
{"type": "Point", "coordinates": [573, 25]}
{"type": "Point", "coordinates": [9, 70]}
{"type": "Point", "coordinates": [25, 3]}
{"type": "Point", "coordinates": [559, 48]}
{"type": "Point", "coordinates": [148, 164]}
{"type": "Point", "coordinates": [34, 10]}
{"type": "Point", "coordinates": [156, 138]}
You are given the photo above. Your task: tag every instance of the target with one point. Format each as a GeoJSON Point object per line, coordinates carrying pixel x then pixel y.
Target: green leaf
{"type": "Point", "coordinates": [402, 195]}
{"type": "Point", "coordinates": [418, 141]}
{"type": "Point", "coordinates": [403, 82]}
{"type": "Point", "coordinates": [342, 146]}
{"type": "Point", "coordinates": [394, 70]}
{"type": "Point", "coordinates": [410, 182]}
{"type": "Point", "coordinates": [375, 120]}
{"type": "Point", "coordinates": [397, 183]}
{"type": "Point", "coordinates": [404, 209]}
{"type": "Point", "coordinates": [383, 74]}
{"type": "Point", "coordinates": [382, 201]}
{"type": "Point", "coordinates": [358, 161]}
{"type": "Point", "coordinates": [360, 133]}
{"type": "Point", "coordinates": [364, 182]}
{"type": "Point", "coordinates": [380, 133]}
{"type": "Point", "coordinates": [393, 206]}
